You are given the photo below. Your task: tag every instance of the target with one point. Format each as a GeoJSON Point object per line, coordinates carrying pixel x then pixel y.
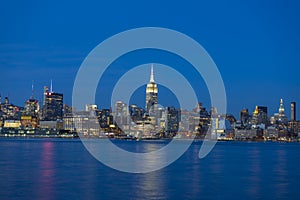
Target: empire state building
{"type": "Point", "coordinates": [151, 94]}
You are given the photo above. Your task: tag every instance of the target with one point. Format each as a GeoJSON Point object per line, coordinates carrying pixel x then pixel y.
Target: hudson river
{"type": "Point", "coordinates": [64, 169]}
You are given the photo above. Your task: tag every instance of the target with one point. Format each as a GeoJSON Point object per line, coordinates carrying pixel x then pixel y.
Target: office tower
{"type": "Point", "coordinates": [105, 118]}
{"type": "Point", "coordinates": [46, 91]}
{"type": "Point", "coordinates": [136, 113]}
{"type": "Point", "coordinates": [293, 111]}
{"type": "Point", "coordinates": [280, 117]}
{"type": "Point", "coordinates": [10, 111]}
{"type": "Point", "coordinates": [32, 107]}
{"type": "Point", "coordinates": [172, 120]}
{"type": "Point", "coordinates": [53, 105]}
{"type": "Point", "coordinates": [260, 115]}
{"type": "Point", "coordinates": [244, 116]}
{"type": "Point", "coordinates": [281, 108]}
{"type": "Point", "coordinates": [68, 110]}
{"type": "Point", "coordinates": [151, 95]}
{"type": "Point", "coordinates": [120, 113]}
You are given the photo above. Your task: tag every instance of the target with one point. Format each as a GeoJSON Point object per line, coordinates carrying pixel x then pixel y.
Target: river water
{"type": "Point", "coordinates": [64, 169]}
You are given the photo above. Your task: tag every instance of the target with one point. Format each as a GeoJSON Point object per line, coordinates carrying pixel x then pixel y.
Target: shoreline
{"type": "Point", "coordinates": [69, 137]}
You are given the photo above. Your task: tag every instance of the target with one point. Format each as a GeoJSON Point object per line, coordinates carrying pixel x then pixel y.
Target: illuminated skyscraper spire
{"type": "Point", "coordinates": [255, 111]}
{"type": "Point", "coordinates": [51, 87]}
{"type": "Point", "coordinates": [281, 108]}
{"type": "Point", "coordinates": [152, 75]}
{"type": "Point", "coordinates": [151, 93]}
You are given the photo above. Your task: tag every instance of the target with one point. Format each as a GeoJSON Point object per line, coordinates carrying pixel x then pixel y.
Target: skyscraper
{"type": "Point", "coordinates": [280, 117]}
{"type": "Point", "coordinates": [151, 95]}
{"type": "Point", "coordinates": [31, 105]}
{"type": "Point", "coordinates": [46, 91]}
{"type": "Point", "coordinates": [136, 113]}
{"type": "Point", "coordinates": [172, 119]}
{"type": "Point", "coordinates": [293, 111]}
{"type": "Point", "coordinates": [281, 108]}
{"type": "Point", "coordinates": [244, 116]}
{"type": "Point", "coordinates": [105, 118]}
{"type": "Point", "coordinates": [120, 113]}
{"type": "Point", "coordinates": [260, 115]}
{"type": "Point", "coordinates": [53, 105]}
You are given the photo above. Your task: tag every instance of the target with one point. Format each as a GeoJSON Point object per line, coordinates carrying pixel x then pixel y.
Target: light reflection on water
{"type": "Point", "coordinates": [254, 175]}
{"type": "Point", "coordinates": [63, 169]}
{"type": "Point", "coordinates": [281, 178]}
{"type": "Point", "coordinates": [46, 171]}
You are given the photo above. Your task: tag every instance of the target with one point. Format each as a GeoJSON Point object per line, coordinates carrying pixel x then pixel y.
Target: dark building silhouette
{"type": "Point", "coordinates": [172, 120]}
{"type": "Point", "coordinates": [136, 113]}
{"type": "Point", "coordinates": [244, 116]}
{"type": "Point", "coordinates": [293, 111]}
{"type": "Point", "coordinates": [105, 118]}
{"type": "Point", "coordinates": [53, 105]}
{"type": "Point", "coordinates": [260, 115]}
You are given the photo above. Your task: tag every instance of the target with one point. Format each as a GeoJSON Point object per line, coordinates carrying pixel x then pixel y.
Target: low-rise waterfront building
{"type": "Point", "coordinates": [12, 124]}
{"type": "Point", "coordinates": [248, 134]}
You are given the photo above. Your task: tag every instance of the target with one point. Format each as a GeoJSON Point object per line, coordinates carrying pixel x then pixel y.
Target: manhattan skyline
{"type": "Point", "coordinates": [254, 45]}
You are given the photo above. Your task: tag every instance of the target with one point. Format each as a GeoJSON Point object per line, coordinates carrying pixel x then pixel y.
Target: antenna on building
{"type": "Point", "coordinates": [32, 90]}
{"type": "Point", "coordinates": [152, 74]}
{"type": "Point", "coordinates": [51, 87]}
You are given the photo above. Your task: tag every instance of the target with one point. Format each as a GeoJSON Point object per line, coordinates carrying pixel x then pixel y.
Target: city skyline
{"type": "Point", "coordinates": [289, 108]}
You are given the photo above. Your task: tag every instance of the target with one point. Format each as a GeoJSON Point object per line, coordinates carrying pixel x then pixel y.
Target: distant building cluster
{"type": "Point", "coordinates": [33, 120]}
{"type": "Point", "coordinates": [259, 125]}
{"type": "Point", "coordinates": [53, 118]}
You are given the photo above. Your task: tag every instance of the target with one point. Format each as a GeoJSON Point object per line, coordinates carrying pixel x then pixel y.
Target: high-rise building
{"type": "Point", "coordinates": [46, 91]}
{"type": "Point", "coordinates": [68, 110]}
{"type": "Point", "coordinates": [260, 115]}
{"type": "Point", "coordinates": [172, 120]}
{"type": "Point", "coordinates": [53, 105]}
{"type": "Point", "coordinates": [201, 119]}
{"type": "Point", "coordinates": [244, 116]}
{"type": "Point", "coordinates": [151, 95]}
{"type": "Point", "coordinates": [281, 108]}
{"type": "Point", "coordinates": [32, 105]}
{"type": "Point", "coordinates": [280, 117]}
{"type": "Point", "coordinates": [10, 111]}
{"type": "Point", "coordinates": [121, 113]}
{"type": "Point", "coordinates": [136, 113]}
{"type": "Point", "coordinates": [105, 118]}
{"type": "Point", "coordinates": [293, 111]}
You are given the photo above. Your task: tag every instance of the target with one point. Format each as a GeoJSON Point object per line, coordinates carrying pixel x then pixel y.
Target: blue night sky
{"type": "Point", "coordinates": [255, 45]}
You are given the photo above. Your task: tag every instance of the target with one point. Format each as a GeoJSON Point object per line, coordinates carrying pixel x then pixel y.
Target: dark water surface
{"type": "Point", "coordinates": [63, 169]}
